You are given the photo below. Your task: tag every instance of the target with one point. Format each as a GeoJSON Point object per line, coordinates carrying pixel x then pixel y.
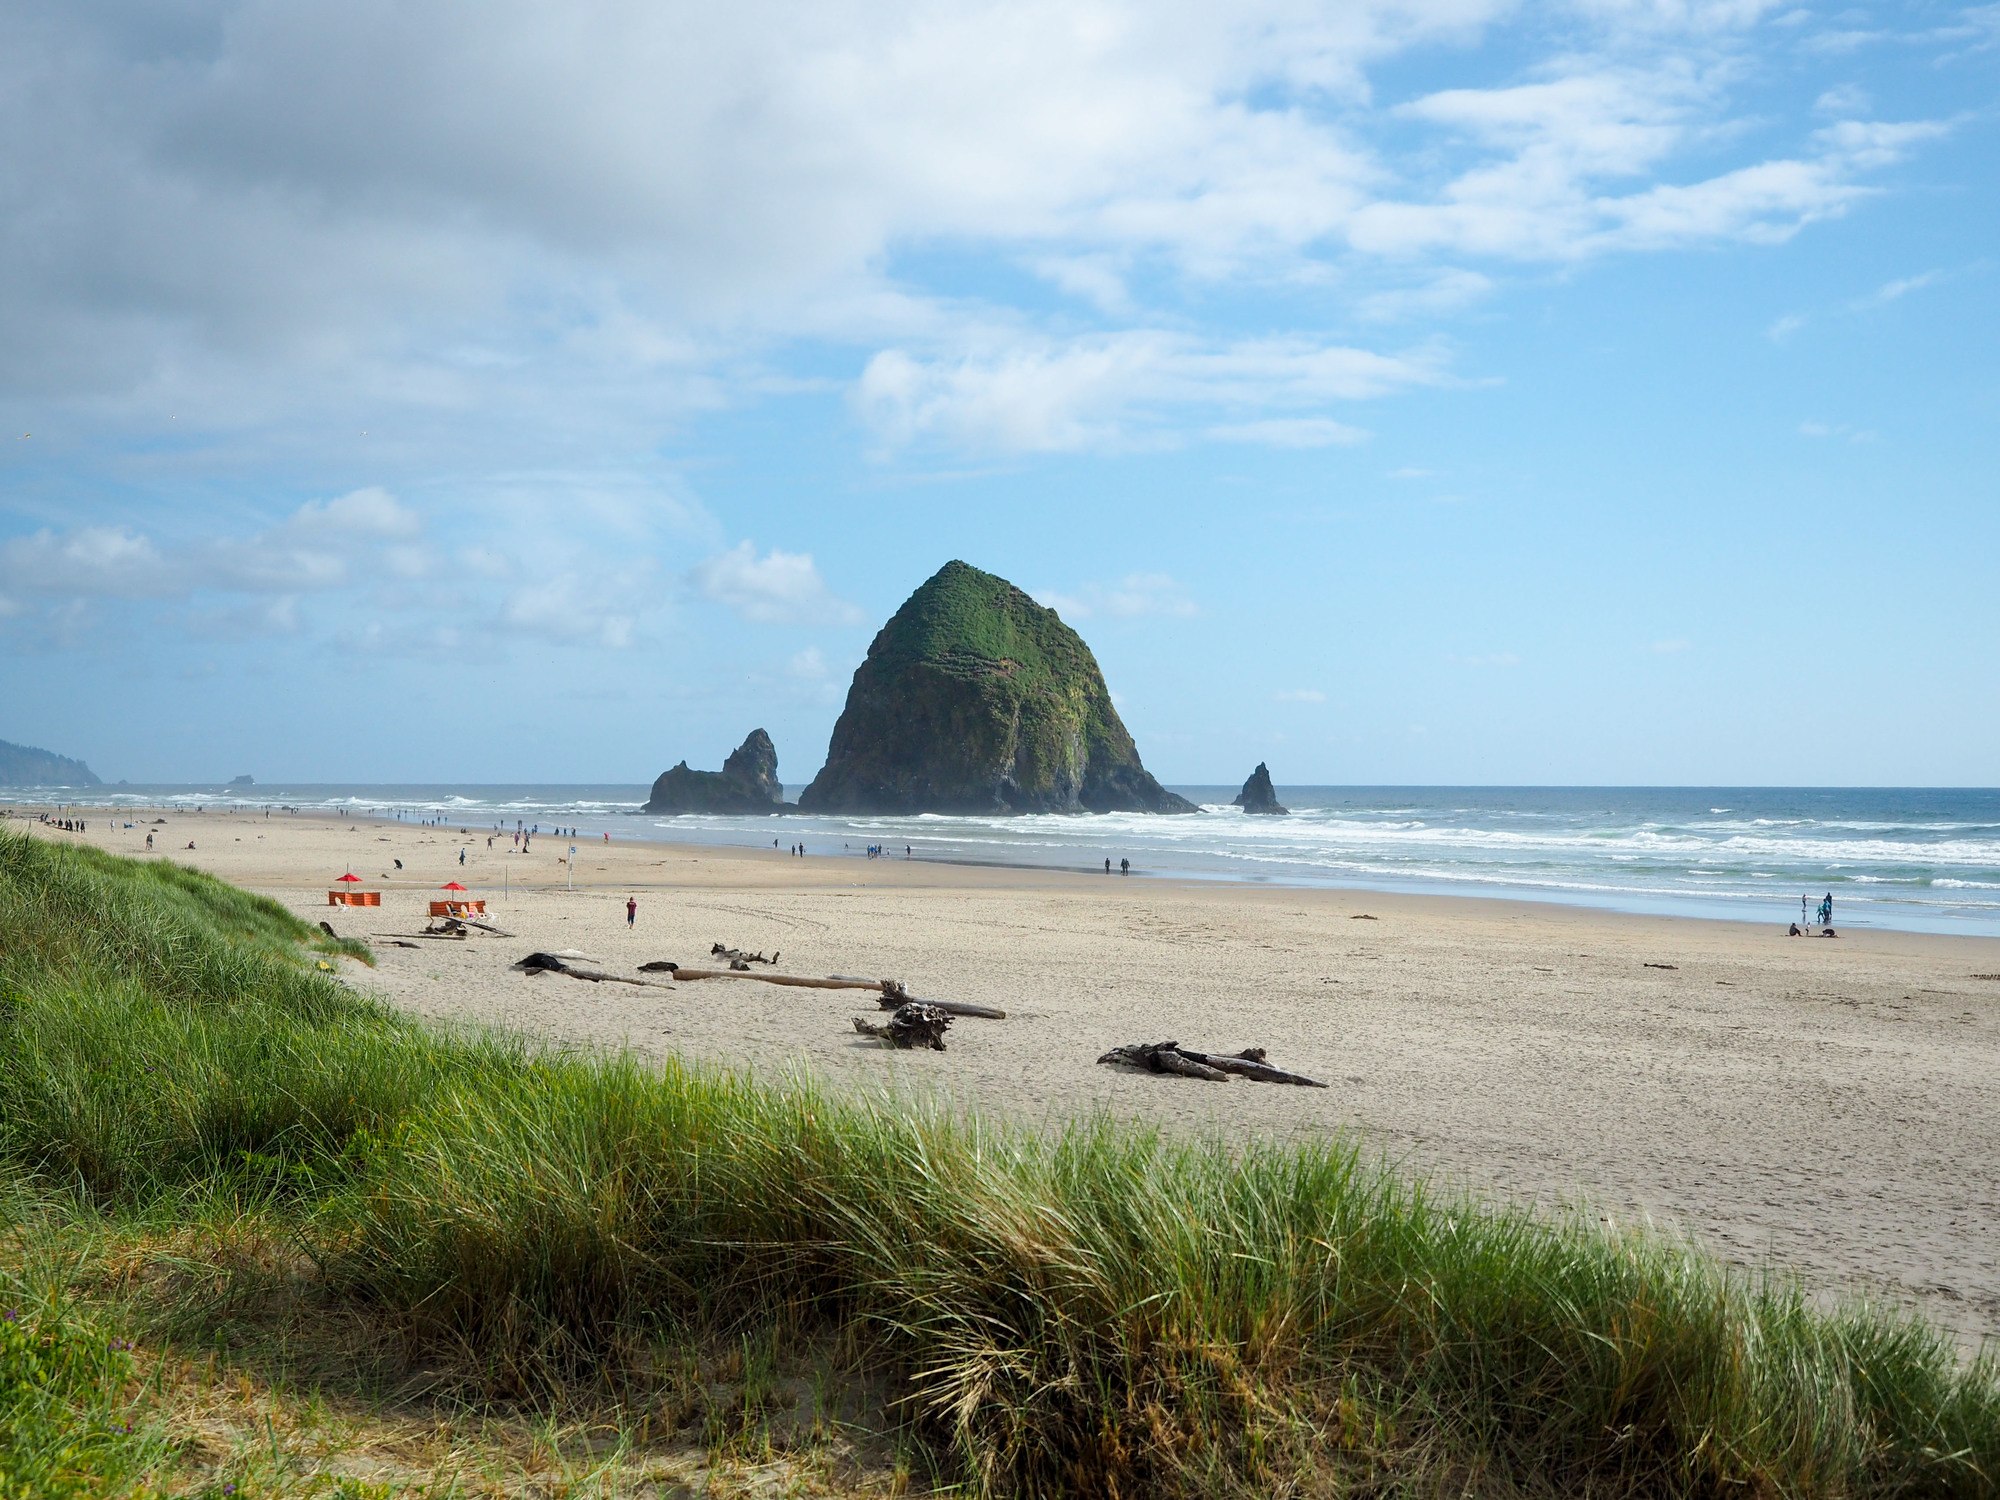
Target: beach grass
{"type": "Point", "coordinates": [1107, 1310]}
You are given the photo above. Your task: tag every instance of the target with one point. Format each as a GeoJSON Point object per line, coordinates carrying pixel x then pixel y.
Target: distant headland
{"type": "Point", "coordinates": [24, 765]}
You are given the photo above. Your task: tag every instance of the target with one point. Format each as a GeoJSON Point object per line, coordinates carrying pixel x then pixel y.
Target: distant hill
{"type": "Point", "coordinates": [24, 765]}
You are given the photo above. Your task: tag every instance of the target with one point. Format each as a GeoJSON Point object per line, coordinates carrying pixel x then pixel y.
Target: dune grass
{"type": "Point", "coordinates": [1107, 1311]}
{"type": "Point", "coordinates": [67, 1400]}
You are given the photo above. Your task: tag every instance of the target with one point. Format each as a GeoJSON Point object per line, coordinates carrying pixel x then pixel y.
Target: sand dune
{"type": "Point", "coordinates": [1833, 1106]}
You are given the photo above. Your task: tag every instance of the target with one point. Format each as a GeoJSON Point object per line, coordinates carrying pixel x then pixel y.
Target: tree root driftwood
{"type": "Point", "coordinates": [1172, 1057]}
{"type": "Point", "coordinates": [737, 956]}
{"type": "Point", "coordinates": [915, 1023]}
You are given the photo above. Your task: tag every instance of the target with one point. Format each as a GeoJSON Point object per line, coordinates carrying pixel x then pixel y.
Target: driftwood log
{"type": "Point", "coordinates": [893, 995]}
{"type": "Point", "coordinates": [1186, 1062]}
{"type": "Point", "coordinates": [891, 991]}
{"type": "Point", "coordinates": [914, 1024]}
{"type": "Point", "coordinates": [737, 955]}
{"type": "Point", "coordinates": [802, 981]}
{"type": "Point", "coordinates": [548, 963]}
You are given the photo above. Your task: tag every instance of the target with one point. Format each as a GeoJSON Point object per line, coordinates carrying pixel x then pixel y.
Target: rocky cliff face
{"type": "Point", "coordinates": [24, 765]}
{"type": "Point", "coordinates": [747, 783]}
{"type": "Point", "coordinates": [976, 699]}
{"type": "Point", "coordinates": [1258, 795]}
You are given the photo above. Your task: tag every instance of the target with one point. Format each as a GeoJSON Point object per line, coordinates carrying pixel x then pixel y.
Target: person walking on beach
{"type": "Point", "coordinates": [631, 911]}
{"type": "Point", "coordinates": [1805, 911]}
{"type": "Point", "coordinates": [1124, 867]}
{"type": "Point", "coordinates": [1826, 911]}
{"type": "Point", "coordinates": [461, 857]}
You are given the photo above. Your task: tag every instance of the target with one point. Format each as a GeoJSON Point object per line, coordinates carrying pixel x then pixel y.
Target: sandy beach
{"type": "Point", "coordinates": [1828, 1105]}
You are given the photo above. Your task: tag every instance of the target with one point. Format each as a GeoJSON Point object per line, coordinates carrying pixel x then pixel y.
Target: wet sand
{"type": "Point", "coordinates": [1828, 1105]}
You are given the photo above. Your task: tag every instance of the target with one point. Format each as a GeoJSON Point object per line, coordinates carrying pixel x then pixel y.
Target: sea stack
{"type": "Point", "coordinates": [1258, 795]}
{"type": "Point", "coordinates": [747, 783]}
{"type": "Point", "coordinates": [975, 699]}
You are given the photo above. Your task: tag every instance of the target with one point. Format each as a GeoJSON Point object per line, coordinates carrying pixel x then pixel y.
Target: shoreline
{"type": "Point", "coordinates": [1718, 907]}
{"type": "Point", "coordinates": [1826, 1106]}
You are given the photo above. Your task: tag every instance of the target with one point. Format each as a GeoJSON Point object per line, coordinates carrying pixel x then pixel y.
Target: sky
{"type": "Point", "coordinates": [1395, 391]}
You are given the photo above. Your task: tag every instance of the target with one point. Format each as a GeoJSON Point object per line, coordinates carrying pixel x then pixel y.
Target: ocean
{"type": "Point", "coordinates": [1924, 859]}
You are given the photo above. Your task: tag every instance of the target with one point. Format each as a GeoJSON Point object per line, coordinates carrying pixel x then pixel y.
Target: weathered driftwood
{"type": "Point", "coordinates": [914, 1024]}
{"type": "Point", "coordinates": [549, 963]}
{"type": "Point", "coordinates": [890, 1000]}
{"type": "Point", "coordinates": [893, 995]}
{"type": "Point", "coordinates": [891, 991]}
{"type": "Point", "coordinates": [802, 981]}
{"type": "Point", "coordinates": [737, 955]}
{"type": "Point", "coordinates": [1186, 1062]}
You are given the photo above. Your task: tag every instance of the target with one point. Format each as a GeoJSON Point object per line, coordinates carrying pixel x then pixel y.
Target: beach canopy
{"type": "Point", "coordinates": [349, 878]}
{"type": "Point", "coordinates": [452, 886]}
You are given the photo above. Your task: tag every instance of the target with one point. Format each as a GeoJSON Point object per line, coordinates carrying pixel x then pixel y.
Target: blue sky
{"type": "Point", "coordinates": [1417, 392]}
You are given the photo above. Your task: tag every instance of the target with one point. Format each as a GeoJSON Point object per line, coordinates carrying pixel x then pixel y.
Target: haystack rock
{"type": "Point", "coordinates": [747, 783]}
{"type": "Point", "coordinates": [976, 699]}
{"type": "Point", "coordinates": [1258, 795]}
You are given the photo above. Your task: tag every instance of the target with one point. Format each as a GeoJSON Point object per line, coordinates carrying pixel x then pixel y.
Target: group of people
{"type": "Point", "coordinates": [67, 825]}
{"type": "Point", "coordinates": [1808, 913]}
{"type": "Point", "coordinates": [881, 851]}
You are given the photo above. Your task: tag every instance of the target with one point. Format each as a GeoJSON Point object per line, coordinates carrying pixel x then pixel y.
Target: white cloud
{"type": "Point", "coordinates": [1783, 328]}
{"type": "Point", "coordinates": [777, 588]}
{"type": "Point", "coordinates": [585, 221]}
{"type": "Point", "coordinates": [1814, 429]}
{"type": "Point", "coordinates": [570, 610]}
{"type": "Point", "coordinates": [89, 562]}
{"type": "Point", "coordinates": [1299, 695]}
{"type": "Point", "coordinates": [1129, 598]}
{"type": "Point", "coordinates": [1095, 279]}
{"type": "Point", "coordinates": [1110, 390]}
{"type": "Point", "coordinates": [370, 512]}
{"type": "Point", "coordinates": [1843, 99]}
{"type": "Point", "coordinates": [1445, 292]}
{"type": "Point", "coordinates": [1895, 291]}
{"type": "Point", "coordinates": [809, 665]}
{"type": "Point", "coordinates": [1672, 647]}
{"type": "Point", "coordinates": [1289, 432]}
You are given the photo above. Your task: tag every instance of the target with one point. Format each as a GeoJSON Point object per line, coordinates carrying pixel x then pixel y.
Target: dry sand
{"type": "Point", "coordinates": [1828, 1105]}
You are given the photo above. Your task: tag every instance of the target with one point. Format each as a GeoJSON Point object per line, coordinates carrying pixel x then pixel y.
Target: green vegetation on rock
{"type": "Point", "coordinates": [976, 699]}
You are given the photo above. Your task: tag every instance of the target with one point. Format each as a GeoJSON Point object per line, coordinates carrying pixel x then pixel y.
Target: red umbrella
{"type": "Point", "coordinates": [451, 886]}
{"type": "Point", "coordinates": [349, 878]}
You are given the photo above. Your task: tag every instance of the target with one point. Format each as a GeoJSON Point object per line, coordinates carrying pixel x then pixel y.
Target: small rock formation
{"type": "Point", "coordinates": [747, 783]}
{"type": "Point", "coordinates": [1258, 795]}
{"type": "Point", "coordinates": [243, 781]}
{"type": "Point", "coordinates": [24, 765]}
{"type": "Point", "coordinates": [976, 699]}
